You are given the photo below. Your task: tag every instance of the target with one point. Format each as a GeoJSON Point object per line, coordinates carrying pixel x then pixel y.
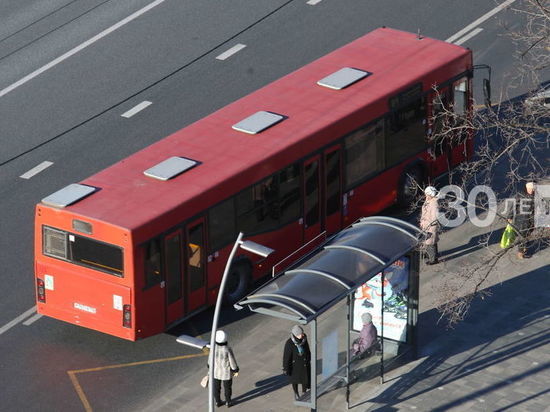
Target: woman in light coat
{"type": "Point", "coordinates": [430, 224]}
{"type": "Point", "coordinates": [225, 366]}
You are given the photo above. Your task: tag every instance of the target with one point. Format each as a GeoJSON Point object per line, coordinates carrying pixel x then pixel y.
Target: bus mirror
{"type": "Point", "coordinates": [487, 92]}
{"type": "Point", "coordinates": [486, 83]}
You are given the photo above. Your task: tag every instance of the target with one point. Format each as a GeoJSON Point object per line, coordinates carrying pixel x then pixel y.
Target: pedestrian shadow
{"type": "Point", "coordinates": [475, 243]}
{"type": "Point", "coordinates": [488, 239]}
{"type": "Point", "coordinates": [263, 387]}
{"type": "Point", "coordinates": [508, 323]}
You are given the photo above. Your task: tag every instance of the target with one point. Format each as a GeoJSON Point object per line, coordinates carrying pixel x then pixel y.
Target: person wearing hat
{"type": "Point", "coordinates": [430, 224]}
{"type": "Point", "coordinates": [297, 360]}
{"type": "Point", "coordinates": [366, 341]}
{"type": "Point", "coordinates": [524, 217]}
{"type": "Point", "coordinates": [225, 366]}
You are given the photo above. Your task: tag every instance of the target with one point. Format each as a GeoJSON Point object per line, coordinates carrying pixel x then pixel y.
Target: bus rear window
{"type": "Point", "coordinates": [83, 251]}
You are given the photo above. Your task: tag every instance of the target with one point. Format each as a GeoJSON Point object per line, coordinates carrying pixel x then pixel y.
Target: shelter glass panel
{"type": "Point", "coordinates": [331, 370]}
{"type": "Point", "coordinates": [385, 299]}
{"type": "Point", "coordinates": [365, 362]}
{"type": "Point", "coordinates": [307, 289]}
{"type": "Point", "coordinates": [382, 240]}
{"type": "Point", "coordinates": [349, 264]}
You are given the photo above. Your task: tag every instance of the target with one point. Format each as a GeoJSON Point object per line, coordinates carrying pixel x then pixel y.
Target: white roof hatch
{"type": "Point", "coordinates": [343, 78]}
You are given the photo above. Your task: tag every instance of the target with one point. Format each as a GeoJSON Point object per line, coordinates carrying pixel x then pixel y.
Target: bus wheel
{"type": "Point", "coordinates": [238, 281]}
{"type": "Point", "coordinates": [410, 187]}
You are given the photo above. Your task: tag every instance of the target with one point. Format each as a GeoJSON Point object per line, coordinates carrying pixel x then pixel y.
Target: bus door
{"type": "Point", "coordinates": [439, 145]}
{"type": "Point", "coordinates": [195, 282]}
{"type": "Point", "coordinates": [312, 211]}
{"type": "Point", "coordinates": [332, 193]}
{"type": "Point", "coordinates": [173, 259]}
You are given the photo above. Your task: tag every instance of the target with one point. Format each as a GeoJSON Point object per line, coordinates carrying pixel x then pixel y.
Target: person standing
{"type": "Point", "coordinates": [225, 367]}
{"type": "Point", "coordinates": [430, 224]}
{"type": "Point", "coordinates": [297, 360]}
{"type": "Point", "coordinates": [524, 217]}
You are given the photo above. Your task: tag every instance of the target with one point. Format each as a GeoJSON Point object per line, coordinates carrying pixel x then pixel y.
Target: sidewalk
{"type": "Point", "coordinates": [496, 359]}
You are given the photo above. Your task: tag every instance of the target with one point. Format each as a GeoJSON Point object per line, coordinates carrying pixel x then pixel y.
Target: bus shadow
{"type": "Point", "coordinates": [505, 325]}
{"type": "Point", "coordinates": [201, 323]}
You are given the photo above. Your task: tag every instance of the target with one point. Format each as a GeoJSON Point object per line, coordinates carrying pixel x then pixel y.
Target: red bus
{"type": "Point", "coordinates": [141, 245]}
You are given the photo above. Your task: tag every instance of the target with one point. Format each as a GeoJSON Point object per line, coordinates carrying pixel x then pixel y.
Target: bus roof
{"type": "Point", "coordinates": [230, 160]}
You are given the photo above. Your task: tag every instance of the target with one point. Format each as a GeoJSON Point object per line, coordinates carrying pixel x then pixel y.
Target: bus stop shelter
{"type": "Point", "coordinates": [369, 267]}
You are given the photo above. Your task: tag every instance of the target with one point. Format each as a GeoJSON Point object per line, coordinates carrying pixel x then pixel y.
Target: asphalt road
{"type": "Point", "coordinates": [70, 69]}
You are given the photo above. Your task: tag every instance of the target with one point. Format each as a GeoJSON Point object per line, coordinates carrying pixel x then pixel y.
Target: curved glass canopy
{"type": "Point", "coordinates": [346, 261]}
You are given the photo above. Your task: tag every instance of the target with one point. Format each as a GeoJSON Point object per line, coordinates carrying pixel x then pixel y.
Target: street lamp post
{"type": "Point", "coordinates": [250, 247]}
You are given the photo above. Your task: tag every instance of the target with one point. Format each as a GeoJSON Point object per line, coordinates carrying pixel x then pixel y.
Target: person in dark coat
{"type": "Point", "coordinates": [297, 360]}
{"type": "Point", "coordinates": [524, 217]}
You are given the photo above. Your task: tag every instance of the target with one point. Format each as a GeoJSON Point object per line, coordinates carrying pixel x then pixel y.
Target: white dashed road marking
{"type": "Point", "coordinates": [36, 170]}
{"type": "Point", "coordinates": [32, 319]}
{"type": "Point", "coordinates": [80, 47]}
{"type": "Point", "coordinates": [479, 21]}
{"type": "Point", "coordinates": [17, 320]}
{"type": "Point", "coordinates": [231, 51]}
{"type": "Point", "coordinates": [136, 109]}
{"type": "Point", "coordinates": [468, 36]}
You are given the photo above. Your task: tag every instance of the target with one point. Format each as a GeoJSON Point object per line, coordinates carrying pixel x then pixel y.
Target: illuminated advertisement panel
{"type": "Point", "coordinates": [368, 298]}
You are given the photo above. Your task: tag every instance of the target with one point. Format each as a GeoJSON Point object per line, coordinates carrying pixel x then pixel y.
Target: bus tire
{"type": "Point", "coordinates": [238, 282]}
{"type": "Point", "coordinates": [411, 184]}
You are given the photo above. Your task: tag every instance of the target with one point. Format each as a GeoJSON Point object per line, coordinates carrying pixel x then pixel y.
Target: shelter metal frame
{"type": "Point", "coordinates": [297, 294]}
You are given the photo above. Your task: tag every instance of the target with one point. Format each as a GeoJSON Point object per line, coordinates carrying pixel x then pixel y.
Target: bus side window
{"type": "Point", "coordinates": [221, 224]}
{"type": "Point", "coordinates": [406, 131]}
{"type": "Point", "coordinates": [258, 207]}
{"type": "Point", "coordinates": [362, 152]}
{"type": "Point", "coordinates": [153, 274]}
{"type": "Point", "coordinates": [289, 194]}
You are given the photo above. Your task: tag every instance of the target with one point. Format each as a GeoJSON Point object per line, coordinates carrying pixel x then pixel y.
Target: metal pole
{"type": "Point", "coordinates": [382, 330]}
{"type": "Point", "coordinates": [348, 354]}
{"type": "Point", "coordinates": [215, 325]}
{"type": "Point", "coordinates": [313, 368]}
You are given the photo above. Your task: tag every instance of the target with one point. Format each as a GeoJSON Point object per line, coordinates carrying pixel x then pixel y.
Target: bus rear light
{"type": "Point", "coordinates": [40, 291]}
{"type": "Point", "coordinates": [127, 316]}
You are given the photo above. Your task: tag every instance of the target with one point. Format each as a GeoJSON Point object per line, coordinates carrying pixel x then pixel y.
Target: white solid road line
{"type": "Point", "coordinates": [313, 2]}
{"type": "Point", "coordinates": [18, 319]}
{"type": "Point", "coordinates": [36, 170]}
{"type": "Point", "coordinates": [231, 51]}
{"type": "Point", "coordinates": [468, 36]}
{"type": "Point", "coordinates": [479, 21]}
{"type": "Point", "coordinates": [80, 47]}
{"type": "Point", "coordinates": [32, 319]}
{"type": "Point", "coordinates": [136, 109]}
